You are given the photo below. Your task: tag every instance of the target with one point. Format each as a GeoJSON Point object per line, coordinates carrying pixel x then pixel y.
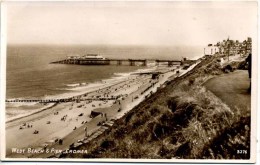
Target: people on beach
{"type": "Point", "coordinates": [119, 110]}
{"type": "Point", "coordinates": [64, 118]}
{"type": "Point", "coordinates": [106, 116]}
{"type": "Point", "coordinates": [25, 125]}
{"type": "Point", "coordinates": [60, 141]}
{"type": "Point", "coordinates": [118, 95]}
{"type": "Point", "coordinates": [86, 131]}
{"type": "Point", "coordinates": [35, 132]}
{"type": "Point", "coordinates": [45, 146]}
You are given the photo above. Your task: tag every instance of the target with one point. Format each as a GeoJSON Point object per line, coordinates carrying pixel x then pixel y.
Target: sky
{"type": "Point", "coordinates": [129, 23]}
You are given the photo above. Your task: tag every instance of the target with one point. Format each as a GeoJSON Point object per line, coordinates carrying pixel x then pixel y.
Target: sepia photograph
{"type": "Point", "coordinates": [129, 81]}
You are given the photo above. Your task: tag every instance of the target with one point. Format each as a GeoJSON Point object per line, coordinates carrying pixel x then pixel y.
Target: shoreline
{"type": "Point", "coordinates": [111, 113]}
{"type": "Point", "coordinates": [79, 91]}
{"type": "Point", "coordinates": [29, 114]}
{"type": "Point", "coordinates": [102, 129]}
{"type": "Point", "coordinates": [172, 112]}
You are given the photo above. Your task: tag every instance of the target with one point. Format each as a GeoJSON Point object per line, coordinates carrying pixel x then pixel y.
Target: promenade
{"type": "Point", "coordinates": [69, 120]}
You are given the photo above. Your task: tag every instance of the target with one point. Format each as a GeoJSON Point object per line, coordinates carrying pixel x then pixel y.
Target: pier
{"type": "Point", "coordinates": [130, 62]}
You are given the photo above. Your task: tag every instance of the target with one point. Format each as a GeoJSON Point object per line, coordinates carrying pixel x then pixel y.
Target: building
{"type": "Point", "coordinates": [230, 47]}
{"type": "Point", "coordinates": [211, 49]}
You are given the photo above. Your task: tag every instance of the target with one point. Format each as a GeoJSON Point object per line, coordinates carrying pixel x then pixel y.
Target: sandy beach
{"type": "Point", "coordinates": [72, 121]}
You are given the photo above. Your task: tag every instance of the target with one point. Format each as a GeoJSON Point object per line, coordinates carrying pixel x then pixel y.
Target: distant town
{"type": "Point", "coordinates": [230, 47]}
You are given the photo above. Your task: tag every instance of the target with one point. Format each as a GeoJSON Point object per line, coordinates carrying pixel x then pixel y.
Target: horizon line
{"type": "Point", "coordinates": [130, 45]}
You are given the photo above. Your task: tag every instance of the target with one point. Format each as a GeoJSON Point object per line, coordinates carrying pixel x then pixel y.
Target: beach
{"type": "Point", "coordinates": [74, 121]}
{"type": "Point", "coordinates": [183, 115]}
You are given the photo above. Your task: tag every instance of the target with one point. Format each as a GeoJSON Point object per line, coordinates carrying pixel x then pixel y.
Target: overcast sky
{"type": "Point", "coordinates": [129, 23]}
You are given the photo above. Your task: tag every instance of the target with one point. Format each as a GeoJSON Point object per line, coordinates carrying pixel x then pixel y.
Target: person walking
{"type": "Point", "coordinates": [86, 131]}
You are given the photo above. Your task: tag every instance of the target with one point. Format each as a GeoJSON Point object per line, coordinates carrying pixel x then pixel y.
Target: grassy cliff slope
{"type": "Point", "coordinates": [182, 120]}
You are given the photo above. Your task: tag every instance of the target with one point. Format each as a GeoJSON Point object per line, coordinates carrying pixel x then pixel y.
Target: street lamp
{"type": "Point", "coordinates": [228, 47]}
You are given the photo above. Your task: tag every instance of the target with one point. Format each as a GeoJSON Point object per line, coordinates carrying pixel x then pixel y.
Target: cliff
{"type": "Point", "coordinates": [183, 120]}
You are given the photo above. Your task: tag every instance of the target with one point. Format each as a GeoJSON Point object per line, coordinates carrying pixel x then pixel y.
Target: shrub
{"type": "Point", "coordinates": [107, 144]}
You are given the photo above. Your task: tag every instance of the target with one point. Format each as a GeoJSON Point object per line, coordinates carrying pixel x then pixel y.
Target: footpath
{"type": "Point", "coordinates": [232, 88]}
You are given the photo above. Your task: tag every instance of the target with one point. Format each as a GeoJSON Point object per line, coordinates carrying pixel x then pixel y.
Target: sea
{"type": "Point", "coordinates": [30, 74]}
